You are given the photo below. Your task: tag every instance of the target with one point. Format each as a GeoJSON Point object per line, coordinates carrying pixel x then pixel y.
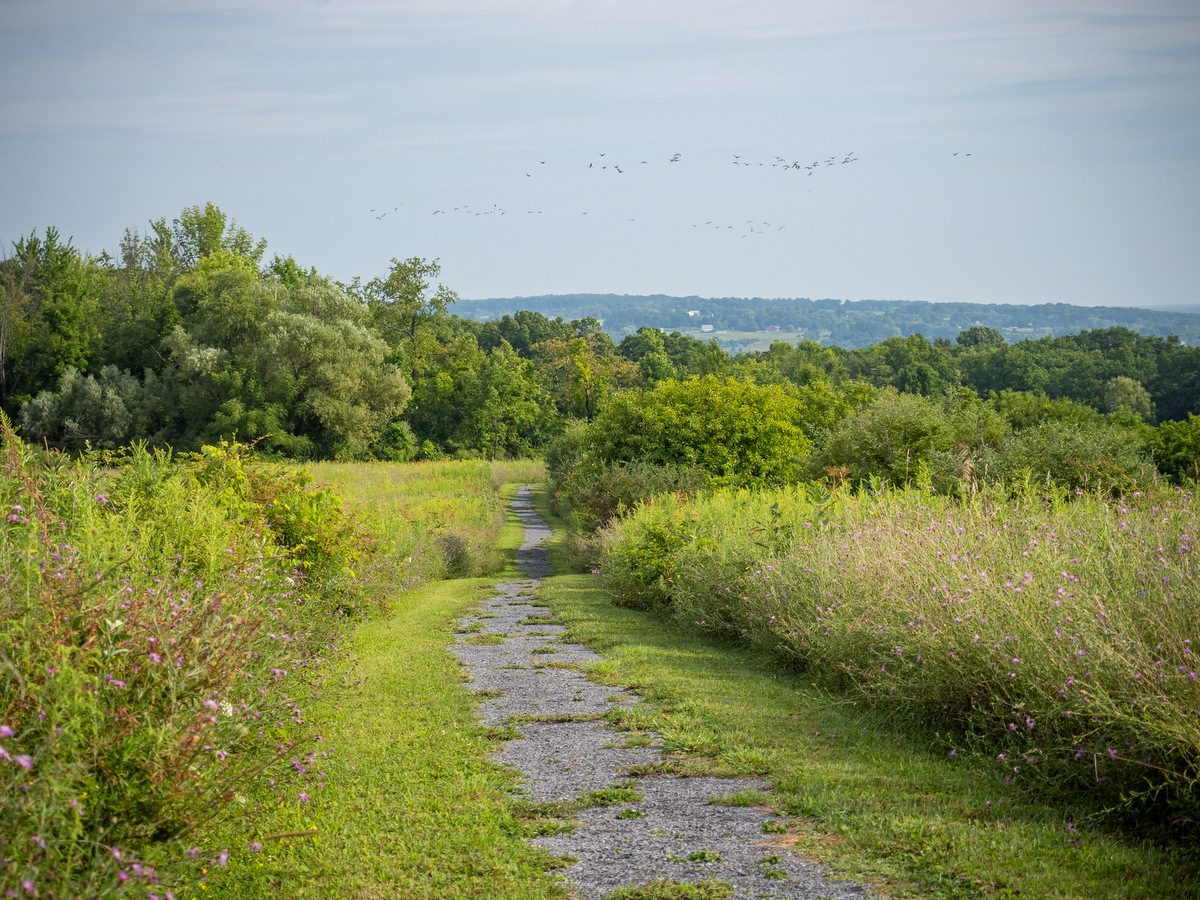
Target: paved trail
{"type": "Point", "coordinates": [679, 834]}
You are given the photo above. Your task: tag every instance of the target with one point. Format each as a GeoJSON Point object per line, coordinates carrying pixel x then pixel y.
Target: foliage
{"type": "Point", "coordinates": [872, 791]}
{"type": "Point", "coordinates": [596, 494]}
{"type": "Point", "coordinates": [86, 411]}
{"type": "Point", "coordinates": [1103, 457]}
{"type": "Point", "coordinates": [1059, 634]}
{"type": "Point", "coordinates": [889, 439]}
{"type": "Point", "coordinates": [164, 623]}
{"type": "Point", "coordinates": [737, 432]}
{"type": "Point", "coordinates": [403, 308]}
{"type": "Point", "coordinates": [189, 337]}
{"type": "Point", "coordinates": [1176, 448]}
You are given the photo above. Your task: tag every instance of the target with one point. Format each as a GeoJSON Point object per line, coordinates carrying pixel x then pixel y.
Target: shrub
{"type": "Point", "coordinates": [888, 439]}
{"type": "Point", "coordinates": [594, 495]}
{"type": "Point", "coordinates": [737, 432]}
{"type": "Point", "coordinates": [1176, 448]}
{"type": "Point", "coordinates": [1106, 457]}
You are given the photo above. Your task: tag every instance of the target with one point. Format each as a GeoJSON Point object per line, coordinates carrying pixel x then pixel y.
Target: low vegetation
{"type": "Point", "coordinates": [1053, 634]}
{"type": "Point", "coordinates": [872, 790]}
{"type": "Point", "coordinates": [178, 634]}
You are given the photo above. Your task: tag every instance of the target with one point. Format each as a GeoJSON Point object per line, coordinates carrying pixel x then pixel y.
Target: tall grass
{"type": "Point", "coordinates": [163, 624]}
{"type": "Point", "coordinates": [1056, 633]}
{"type": "Point", "coordinates": [166, 622]}
{"type": "Point", "coordinates": [433, 519]}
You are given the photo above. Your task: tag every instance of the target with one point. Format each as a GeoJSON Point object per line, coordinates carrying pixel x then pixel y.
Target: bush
{"type": "Point", "coordinates": [737, 432]}
{"type": "Point", "coordinates": [1105, 457]}
{"type": "Point", "coordinates": [593, 496]}
{"type": "Point", "coordinates": [889, 439]}
{"type": "Point", "coordinates": [1176, 448]}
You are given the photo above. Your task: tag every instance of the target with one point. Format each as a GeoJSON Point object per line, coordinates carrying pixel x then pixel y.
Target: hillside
{"type": "Point", "coordinates": [847, 323]}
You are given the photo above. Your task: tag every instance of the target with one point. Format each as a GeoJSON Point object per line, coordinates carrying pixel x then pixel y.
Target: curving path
{"type": "Point", "coordinates": [514, 655]}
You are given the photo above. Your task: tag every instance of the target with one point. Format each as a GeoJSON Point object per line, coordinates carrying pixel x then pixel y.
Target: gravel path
{"type": "Point", "coordinates": [511, 649]}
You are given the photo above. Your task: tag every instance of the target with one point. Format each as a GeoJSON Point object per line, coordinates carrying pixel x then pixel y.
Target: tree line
{"type": "Point", "coordinates": [846, 323]}
{"type": "Point", "coordinates": [189, 336]}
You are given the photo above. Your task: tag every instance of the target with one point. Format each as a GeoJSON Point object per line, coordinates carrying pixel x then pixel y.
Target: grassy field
{"type": "Point", "coordinates": [1047, 636]}
{"type": "Point", "coordinates": [404, 799]}
{"type": "Point", "coordinates": [202, 656]}
{"type": "Point", "coordinates": [434, 519]}
{"type": "Point", "coordinates": [872, 797]}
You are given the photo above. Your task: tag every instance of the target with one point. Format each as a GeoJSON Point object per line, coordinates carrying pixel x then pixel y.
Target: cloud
{"type": "Point", "coordinates": [227, 114]}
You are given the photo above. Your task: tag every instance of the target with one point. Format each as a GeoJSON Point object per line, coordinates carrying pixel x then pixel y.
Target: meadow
{"type": "Point", "coordinates": [170, 630]}
{"type": "Point", "coordinates": [1048, 634]}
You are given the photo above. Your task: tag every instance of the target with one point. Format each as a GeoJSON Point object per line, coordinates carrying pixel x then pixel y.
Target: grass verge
{"type": "Point", "coordinates": [410, 803]}
{"type": "Point", "coordinates": [870, 800]}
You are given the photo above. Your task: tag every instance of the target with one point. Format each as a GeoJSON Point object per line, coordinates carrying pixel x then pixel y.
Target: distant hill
{"type": "Point", "coordinates": [847, 323]}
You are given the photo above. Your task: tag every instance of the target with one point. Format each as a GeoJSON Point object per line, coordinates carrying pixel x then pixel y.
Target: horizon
{"type": "Point", "coordinates": [1183, 308]}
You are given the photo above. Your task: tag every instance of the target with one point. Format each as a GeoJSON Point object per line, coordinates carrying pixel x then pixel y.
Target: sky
{"type": "Point", "coordinates": [1027, 151]}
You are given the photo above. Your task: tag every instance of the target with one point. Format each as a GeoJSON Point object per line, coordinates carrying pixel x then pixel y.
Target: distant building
{"type": "Point", "coordinates": [693, 312]}
{"type": "Point", "coordinates": [706, 328]}
{"type": "Point", "coordinates": [772, 329]}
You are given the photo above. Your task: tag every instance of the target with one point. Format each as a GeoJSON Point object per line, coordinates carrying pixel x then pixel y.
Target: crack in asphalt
{"type": "Point", "coordinates": [531, 683]}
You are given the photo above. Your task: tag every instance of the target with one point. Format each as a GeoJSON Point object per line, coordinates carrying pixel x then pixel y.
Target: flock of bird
{"type": "Point", "coordinates": [604, 163]}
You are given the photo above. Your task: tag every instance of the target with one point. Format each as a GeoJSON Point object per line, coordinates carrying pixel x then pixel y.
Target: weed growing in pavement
{"type": "Point", "coordinates": [626, 792]}
{"type": "Point", "coordinates": [665, 889]}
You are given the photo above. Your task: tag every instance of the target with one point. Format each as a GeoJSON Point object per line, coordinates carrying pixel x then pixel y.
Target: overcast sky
{"type": "Point", "coordinates": [1016, 152]}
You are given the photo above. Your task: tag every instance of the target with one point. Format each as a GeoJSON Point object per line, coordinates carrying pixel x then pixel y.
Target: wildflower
{"type": "Point", "coordinates": [255, 847]}
{"type": "Point", "coordinates": [304, 796]}
{"type": "Point", "coordinates": [223, 858]}
{"type": "Point", "coordinates": [101, 499]}
{"type": "Point", "coordinates": [5, 731]}
{"type": "Point", "coordinates": [1112, 752]}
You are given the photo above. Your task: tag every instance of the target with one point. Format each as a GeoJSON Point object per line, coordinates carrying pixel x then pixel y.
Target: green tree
{"type": "Point", "coordinates": [85, 411]}
{"type": "Point", "coordinates": [51, 315]}
{"type": "Point", "coordinates": [580, 372]}
{"type": "Point", "coordinates": [736, 431]}
{"type": "Point", "coordinates": [200, 232]}
{"type": "Point", "coordinates": [1176, 448]}
{"type": "Point", "coordinates": [404, 308]}
{"type": "Point", "coordinates": [1123, 392]}
{"type": "Point", "coordinates": [980, 336]}
{"type": "Point", "coordinates": [911, 365]}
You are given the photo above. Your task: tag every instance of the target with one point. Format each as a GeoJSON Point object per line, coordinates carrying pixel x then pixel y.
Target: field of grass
{"type": "Point", "coordinates": [874, 794]}
{"type": "Point", "coordinates": [433, 519]}
{"type": "Point", "coordinates": [402, 795]}
{"type": "Point", "coordinates": [177, 648]}
{"type": "Point", "coordinates": [1050, 635]}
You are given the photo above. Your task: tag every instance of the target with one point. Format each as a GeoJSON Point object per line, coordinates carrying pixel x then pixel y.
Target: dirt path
{"type": "Point", "coordinates": [514, 655]}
